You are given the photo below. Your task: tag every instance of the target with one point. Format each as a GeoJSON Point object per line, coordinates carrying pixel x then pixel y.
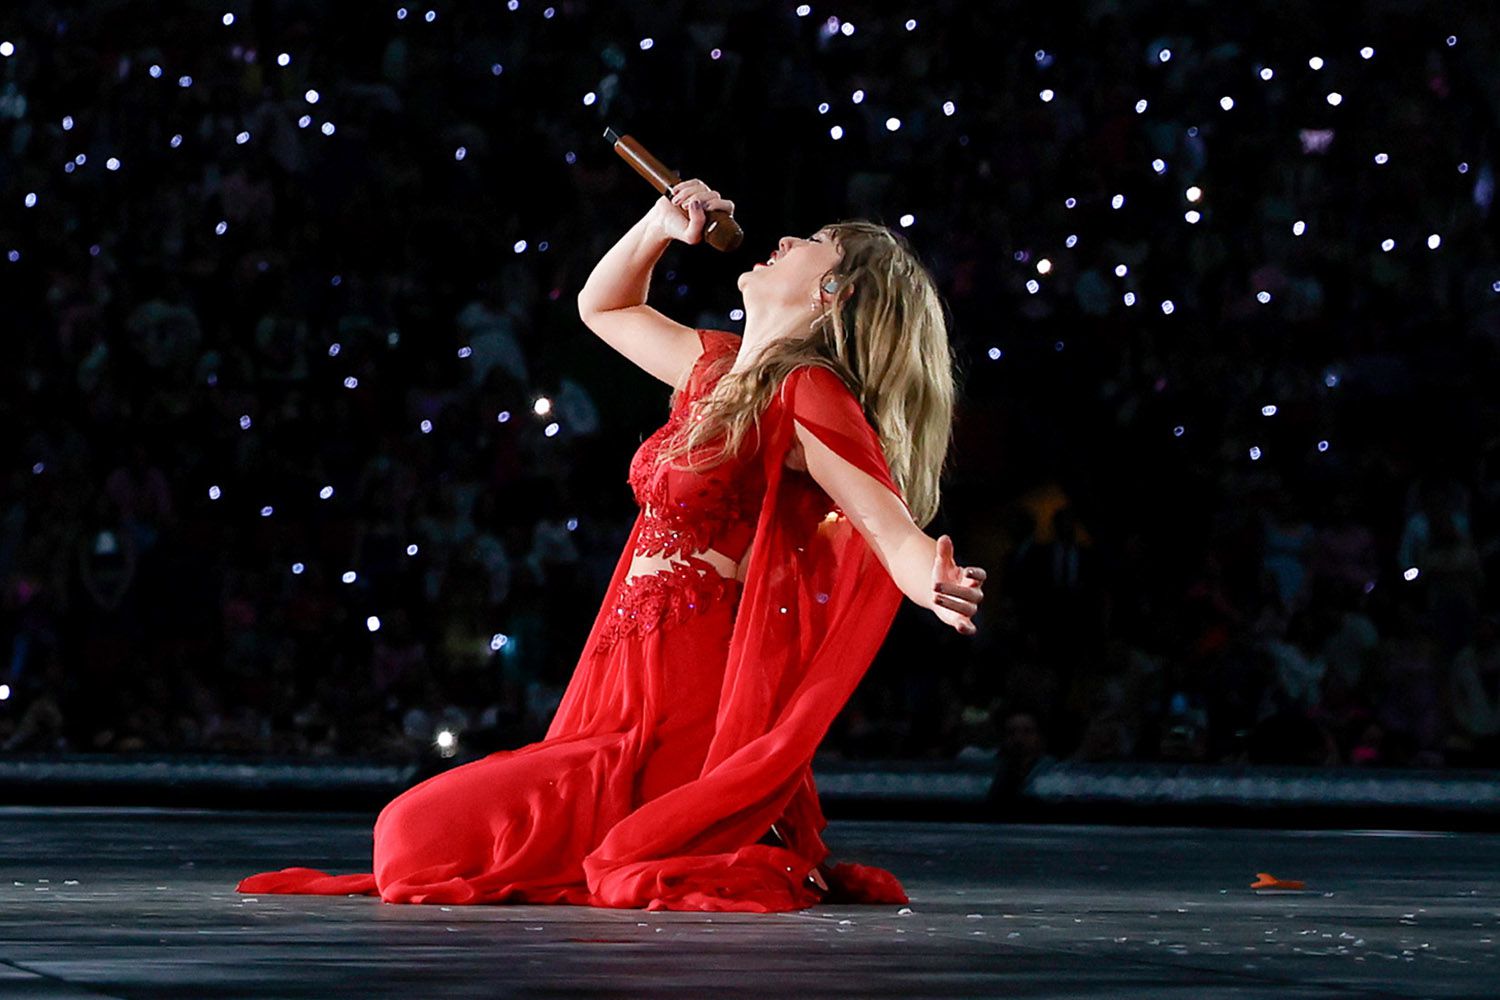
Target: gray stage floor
{"type": "Point", "coordinates": [141, 903]}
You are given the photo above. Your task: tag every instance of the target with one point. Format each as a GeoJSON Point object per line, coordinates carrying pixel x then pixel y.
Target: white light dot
{"type": "Point", "coordinates": [1495, 287]}
{"type": "Point", "coordinates": [503, 417]}
{"type": "Point", "coordinates": [1118, 201]}
{"type": "Point", "coordinates": [372, 623]}
{"type": "Point", "coordinates": [244, 421]}
{"type": "Point", "coordinates": [994, 353]}
{"type": "Point", "coordinates": [823, 108]}
{"type": "Point", "coordinates": [496, 69]}
{"type": "Point", "coordinates": [350, 382]}
{"type": "Point", "coordinates": [1299, 227]}
{"type": "Point", "coordinates": [445, 739]}
{"type": "Point", "coordinates": [400, 13]}
{"type": "Point", "coordinates": [228, 20]}
{"type": "Point", "coordinates": [1382, 158]}
{"type": "Point", "coordinates": [1193, 193]}
{"type": "Point", "coordinates": [1043, 266]}
{"type": "Point", "coordinates": [430, 16]}
{"type": "Point", "coordinates": [221, 228]}
{"type": "Point", "coordinates": [334, 348]}
{"type": "Point", "coordinates": [460, 152]}
{"type": "Point", "coordinates": [857, 97]}
{"type": "Point", "coordinates": [426, 426]}
{"type": "Point", "coordinates": [184, 82]}
{"type": "Point", "coordinates": [1266, 73]}
{"type": "Point", "coordinates": [465, 352]}
{"type": "Point", "coordinates": [1159, 165]}
{"type": "Point", "coordinates": [1434, 241]}
{"type": "Point", "coordinates": [7, 49]}
{"type": "Point", "coordinates": [588, 99]}
{"type": "Point", "coordinates": [154, 71]}
{"type": "Point", "coordinates": [1452, 41]}
{"type": "Point", "coordinates": [349, 576]}
{"type": "Point", "coordinates": [892, 124]}
{"type": "Point", "coordinates": [1140, 106]}
{"type": "Point", "coordinates": [297, 569]}
{"type": "Point", "coordinates": [1316, 62]}
{"type": "Point", "coordinates": [1269, 410]}
{"type": "Point", "coordinates": [551, 429]}
{"type": "Point", "coordinates": [1071, 241]}
{"type": "Point", "coordinates": [1192, 216]}
{"type": "Point", "coordinates": [911, 24]}
{"type": "Point", "coordinates": [1121, 270]}
{"type": "Point", "coordinates": [1410, 573]}
{"type": "Point", "coordinates": [907, 220]}
{"type": "Point", "coordinates": [1178, 431]}
{"type": "Point", "coordinates": [803, 10]}
{"type": "Point", "coordinates": [1130, 298]}
{"type": "Point", "coordinates": [328, 128]}
{"type": "Point", "coordinates": [1033, 286]}
{"type": "Point", "coordinates": [1322, 445]}
{"type": "Point", "coordinates": [214, 493]}
{"type": "Point", "coordinates": [542, 406]}
{"type": "Point", "coordinates": [847, 28]}
{"type": "Point", "coordinates": [1047, 95]}
{"type": "Point", "coordinates": [304, 121]}
{"type": "Point", "coordinates": [1335, 98]}
{"type": "Point", "coordinates": [1226, 102]}
{"type": "Point", "coordinates": [67, 123]}
{"type": "Point", "coordinates": [1263, 297]}
{"type": "Point", "coordinates": [646, 44]}
{"type": "Point", "coordinates": [1254, 453]}
{"type": "Point", "coordinates": [1070, 202]}
{"type": "Point", "coordinates": [837, 132]}
{"type": "Point", "coordinates": [242, 138]}
{"type": "Point", "coordinates": [267, 511]}
{"type": "Point", "coordinates": [1164, 55]}
{"type": "Point", "coordinates": [498, 640]}
{"type": "Point", "coordinates": [1463, 168]}
{"type": "Point", "coordinates": [284, 59]}
{"type": "Point", "coordinates": [1167, 307]}
{"type": "Point", "coordinates": [30, 199]}
{"type": "Point", "coordinates": [411, 550]}
{"type": "Point", "coordinates": [1367, 53]}
{"type": "Point", "coordinates": [325, 493]}
{"type": "Point", "coordinates": [519, 246]}
{"type": "Point", "coordinates": [176, 141]}
{"type": "Point", "coordinates": [1388, 245]}
{"type": "Point", "coordinates": [949, 108]}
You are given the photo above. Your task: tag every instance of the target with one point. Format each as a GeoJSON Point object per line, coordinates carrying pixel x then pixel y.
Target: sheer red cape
{"type": "Point", "coordinates": [816, 605]}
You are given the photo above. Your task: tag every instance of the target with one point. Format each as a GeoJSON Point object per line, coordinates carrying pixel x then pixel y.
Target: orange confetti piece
{"type": "Point", "coordinates": [1265, 880]}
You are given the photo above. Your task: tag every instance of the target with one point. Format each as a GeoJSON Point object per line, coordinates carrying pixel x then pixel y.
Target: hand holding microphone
{"type": "Point", "coordinates": [683, 214]}
{"type": "Point", "coordinates": [690, 211]}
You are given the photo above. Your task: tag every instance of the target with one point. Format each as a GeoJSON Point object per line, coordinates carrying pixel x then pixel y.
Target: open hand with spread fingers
{"type": "Point", "coordinates": [956, 590]}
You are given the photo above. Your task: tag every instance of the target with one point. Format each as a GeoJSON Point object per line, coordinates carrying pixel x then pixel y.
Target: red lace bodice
{"type": "Point", "coordinates": [687, 512]}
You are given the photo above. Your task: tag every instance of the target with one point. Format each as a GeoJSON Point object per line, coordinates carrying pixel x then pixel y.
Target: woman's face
{"type": "Point", "coordinates": [793, 274]}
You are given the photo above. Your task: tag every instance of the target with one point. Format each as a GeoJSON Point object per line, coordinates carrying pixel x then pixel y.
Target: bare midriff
{"type": "Point", "coordinates": [650, 565]}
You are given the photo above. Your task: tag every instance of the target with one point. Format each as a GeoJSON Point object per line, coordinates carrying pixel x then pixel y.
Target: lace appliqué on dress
{"type": "Point", "coordinates": [644, 604]}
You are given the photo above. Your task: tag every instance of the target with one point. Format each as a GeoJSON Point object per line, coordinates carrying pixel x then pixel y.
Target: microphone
{"type": "Point", "coordinates": [720, 231]}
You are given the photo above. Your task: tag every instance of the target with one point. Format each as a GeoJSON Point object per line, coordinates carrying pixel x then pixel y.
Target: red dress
{"type": "Point", "coordinates": [690, 722]}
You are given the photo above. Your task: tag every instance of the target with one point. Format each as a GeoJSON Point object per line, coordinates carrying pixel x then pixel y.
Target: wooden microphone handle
{"type": "Point", "coordinates": [720, 230]}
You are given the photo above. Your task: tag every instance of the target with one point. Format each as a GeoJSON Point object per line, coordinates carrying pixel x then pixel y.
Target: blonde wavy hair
{"type": "Point", "coordinates": [887, 341]}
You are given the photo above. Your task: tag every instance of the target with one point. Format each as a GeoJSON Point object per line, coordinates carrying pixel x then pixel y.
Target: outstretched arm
{"type": "Point", "coordinates": [921, 566]}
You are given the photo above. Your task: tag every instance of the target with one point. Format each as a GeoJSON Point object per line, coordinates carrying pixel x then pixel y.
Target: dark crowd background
{"type": "Point", "coordinates": [226, 299]}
